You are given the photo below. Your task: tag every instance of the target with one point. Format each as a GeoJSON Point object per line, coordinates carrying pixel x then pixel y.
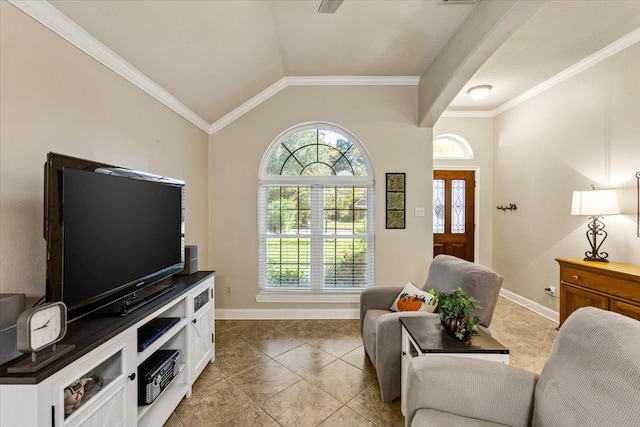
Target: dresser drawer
{"type": "Point", "coordinates": [607, 284]}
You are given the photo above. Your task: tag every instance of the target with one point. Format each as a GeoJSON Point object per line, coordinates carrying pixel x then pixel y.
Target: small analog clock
{"type": "Point", "coordinates": [41, 326]}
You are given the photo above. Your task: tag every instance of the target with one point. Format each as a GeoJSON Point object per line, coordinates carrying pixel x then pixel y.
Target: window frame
{"type": "Point", "coordinates": [318, 291]}
{"type": "Point", "coordinates": [463, 144]}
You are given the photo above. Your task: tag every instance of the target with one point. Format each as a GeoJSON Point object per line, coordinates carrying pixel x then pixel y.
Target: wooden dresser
{"type": "Point", "coordinates": [610, 286]}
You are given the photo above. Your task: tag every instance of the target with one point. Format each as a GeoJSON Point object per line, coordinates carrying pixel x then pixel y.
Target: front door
{"type": "Point", "coordinates": [453, 213]}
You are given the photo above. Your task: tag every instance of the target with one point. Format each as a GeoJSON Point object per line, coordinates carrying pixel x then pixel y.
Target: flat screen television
{"type": "Point", "coordinates": [112, 233]}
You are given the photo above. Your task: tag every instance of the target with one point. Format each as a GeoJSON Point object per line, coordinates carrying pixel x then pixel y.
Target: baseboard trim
{"type": "Point", "coordinates": [292, 313]}
{"type": "Point", "coordinates": [352, 313]}
{"type": "Point", "coordinates": [531, 305]}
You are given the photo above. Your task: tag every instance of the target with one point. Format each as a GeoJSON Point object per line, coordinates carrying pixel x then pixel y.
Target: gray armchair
{"type": "Point", "coordinates": [592, 378]}
{"type": "Point", "coordinates": [380, 327]}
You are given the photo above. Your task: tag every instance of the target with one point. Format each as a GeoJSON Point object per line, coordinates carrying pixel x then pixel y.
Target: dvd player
{"type": "Point", "coordinates": [152, 330]}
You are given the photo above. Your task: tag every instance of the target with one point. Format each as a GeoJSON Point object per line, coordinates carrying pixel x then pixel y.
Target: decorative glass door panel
{"type": "Point", "coordinates": [458, 188]}
{"type": "Point", "coordinates": [438, 205]}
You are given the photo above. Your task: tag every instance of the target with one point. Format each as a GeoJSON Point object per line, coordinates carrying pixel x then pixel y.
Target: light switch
{"type": "Point", "coordinates": [419, 211]}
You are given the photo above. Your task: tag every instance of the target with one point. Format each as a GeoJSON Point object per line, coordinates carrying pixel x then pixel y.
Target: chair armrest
{"type": "Point", "coordinates": [380, 297]}
{"type": "Point", "coordinates": [470, 388]}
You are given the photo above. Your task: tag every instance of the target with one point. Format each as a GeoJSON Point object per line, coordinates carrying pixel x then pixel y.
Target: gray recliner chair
{"type": "Point", "coordinates": [591, 379]}
{"type": "Point", "coordinates": [381, 330]}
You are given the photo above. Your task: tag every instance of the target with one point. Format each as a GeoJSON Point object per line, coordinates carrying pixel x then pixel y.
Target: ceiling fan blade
{"type": "Point", "coordinates": [329, 6]}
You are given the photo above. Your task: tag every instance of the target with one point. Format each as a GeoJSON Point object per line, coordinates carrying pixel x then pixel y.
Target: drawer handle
{"type": "Point", "coordinates": [132, 376]}
{"type": "Point", "coordinates": [195, 321]}
{"type": "Point", "coordinates": [575, 277]}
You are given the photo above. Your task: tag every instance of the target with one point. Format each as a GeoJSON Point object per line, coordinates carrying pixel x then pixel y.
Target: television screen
{"type": "Point", "coordinates": [110, 231]}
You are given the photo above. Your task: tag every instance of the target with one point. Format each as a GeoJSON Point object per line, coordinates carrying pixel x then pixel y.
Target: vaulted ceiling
{"type": "Point", "coordinates": [214, 56]}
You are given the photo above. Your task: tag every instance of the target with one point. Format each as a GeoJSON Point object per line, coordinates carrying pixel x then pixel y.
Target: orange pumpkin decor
{"type": "Point", "coordinates": [410, 302]}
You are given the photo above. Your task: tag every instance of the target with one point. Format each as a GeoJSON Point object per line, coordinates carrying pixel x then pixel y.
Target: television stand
{"type": "Point", "coordinates": [107, 363]}
{"type": "Point", "coordinates": [137, 299]}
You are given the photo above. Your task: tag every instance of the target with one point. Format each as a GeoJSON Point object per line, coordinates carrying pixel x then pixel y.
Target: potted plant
{"type": "Point", "coordinates": [456, 312]}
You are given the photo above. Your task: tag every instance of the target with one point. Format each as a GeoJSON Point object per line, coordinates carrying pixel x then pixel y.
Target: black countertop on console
{"type": "Point", "coordinates": [92, 331]}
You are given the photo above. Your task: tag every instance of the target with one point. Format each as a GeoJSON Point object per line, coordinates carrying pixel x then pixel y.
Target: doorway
{"type": "Point", "coordinates": [454, 213]}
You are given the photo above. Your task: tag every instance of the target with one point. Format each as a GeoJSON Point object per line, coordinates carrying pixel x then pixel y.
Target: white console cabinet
{"type": "Point", "coordinates": [111, 352]}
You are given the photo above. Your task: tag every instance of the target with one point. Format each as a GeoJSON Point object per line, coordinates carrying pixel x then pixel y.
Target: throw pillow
{"type": "Point", "coordinates": [413, 299]}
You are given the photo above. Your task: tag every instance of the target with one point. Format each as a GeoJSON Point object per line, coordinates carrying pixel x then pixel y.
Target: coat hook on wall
{"type": "Point", "coordinates": [511, 207]}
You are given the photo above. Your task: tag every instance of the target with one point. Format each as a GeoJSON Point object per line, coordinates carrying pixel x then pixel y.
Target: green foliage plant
{"type": "Point", "coordinates": [457, 308]}
{"type": "Point", "coordinates": [285, 278]}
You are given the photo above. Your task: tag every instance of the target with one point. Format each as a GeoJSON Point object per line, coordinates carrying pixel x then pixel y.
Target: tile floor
{"type": "Point", "coordinates": [315, 372]}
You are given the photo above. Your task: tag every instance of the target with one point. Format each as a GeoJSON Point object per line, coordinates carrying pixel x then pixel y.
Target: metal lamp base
{"type": "Point", "coordinates": [596, 229]}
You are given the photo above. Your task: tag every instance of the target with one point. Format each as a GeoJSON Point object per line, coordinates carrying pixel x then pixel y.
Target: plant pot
{"type": "Point", "coordinates": [452, 325]}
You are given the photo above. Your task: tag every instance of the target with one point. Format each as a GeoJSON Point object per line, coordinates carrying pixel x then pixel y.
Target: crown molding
{"type": "Point", "coordinates": [56, 21]}
{"type": "Point", "coordinates": [52, 18]}
{"type": "Point", "coordinates": [594, 59]}
{"type": "Point", "coordinates": [310, 81]}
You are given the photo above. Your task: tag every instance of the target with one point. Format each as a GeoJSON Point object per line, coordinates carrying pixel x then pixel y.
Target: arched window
{"type": "Point", "coordinates": [316, 212]}
{"type": "Point", "coordinates": [450, 146]}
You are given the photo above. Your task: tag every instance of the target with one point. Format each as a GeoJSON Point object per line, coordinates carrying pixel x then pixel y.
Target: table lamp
{"type": "Point", "coordinates": [595, 204]}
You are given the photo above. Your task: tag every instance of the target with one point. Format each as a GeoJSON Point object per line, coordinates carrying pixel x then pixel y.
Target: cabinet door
{"type": "Point", "coordinates": [105, 399]}
{"type": "Point", "coordinates": [201, 347]}
{"type": "Point", "coordinates": [573, 297]}
{"type": "Point", "coordinates": [630, 310]}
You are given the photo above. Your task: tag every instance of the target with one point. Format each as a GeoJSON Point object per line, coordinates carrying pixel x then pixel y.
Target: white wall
{"type": "Point", "coordinates": [583, 131]}
{"type": "Point", "coordinates": [479, 134]}
{"type": "Point", "coordinates": [383, 118]}
{"type": "Point", "coordinates": [55, 98]}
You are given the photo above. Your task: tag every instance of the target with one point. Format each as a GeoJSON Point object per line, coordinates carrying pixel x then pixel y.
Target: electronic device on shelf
{"type": "Point", "coordinates": [111, 234]}
{"type": "Point", "coordinates": [155, 374]}
{"type": "Point", "coordinates": [153, 330]}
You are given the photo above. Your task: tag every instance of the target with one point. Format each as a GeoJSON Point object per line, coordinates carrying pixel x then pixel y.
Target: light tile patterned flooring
{"type": "Point", "coordinates": [315, 372]}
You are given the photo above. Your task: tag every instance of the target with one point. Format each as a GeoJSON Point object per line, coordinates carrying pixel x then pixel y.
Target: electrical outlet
{"type": "Point", "coordinates": [419, 211]}
{"type": "Point", "coordinates": [228, 290]}
{"type": "Point", "coordinates": [551, 290]}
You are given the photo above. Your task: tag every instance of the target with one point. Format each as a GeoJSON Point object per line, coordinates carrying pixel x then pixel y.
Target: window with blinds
{"type": "Point", "coordinates": [316, 212]}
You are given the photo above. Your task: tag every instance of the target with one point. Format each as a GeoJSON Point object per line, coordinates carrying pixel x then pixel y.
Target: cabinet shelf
{"type": "Point", "coordinates": [162, 341]}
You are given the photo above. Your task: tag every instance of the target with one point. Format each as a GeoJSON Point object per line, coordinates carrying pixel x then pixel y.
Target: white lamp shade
{"type": "Point", "coordinates": [595, 203]}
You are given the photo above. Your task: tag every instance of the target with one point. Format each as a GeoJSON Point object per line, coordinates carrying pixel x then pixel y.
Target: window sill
{"type": "Point", "coordinates": [309, 297]}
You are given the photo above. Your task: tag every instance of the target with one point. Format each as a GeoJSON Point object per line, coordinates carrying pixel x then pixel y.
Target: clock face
{"type": "Point", "coordinates": [41, 326]}
{"type": "Point", "coordinates": [45, 326]}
